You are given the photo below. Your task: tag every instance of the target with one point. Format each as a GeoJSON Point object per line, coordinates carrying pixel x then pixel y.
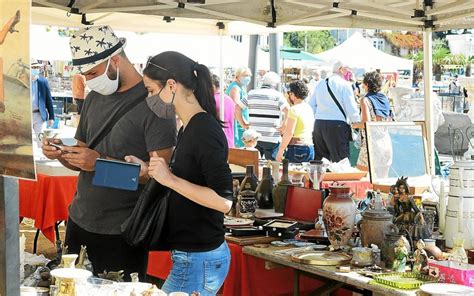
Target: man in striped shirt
{"type": "Point", "coordinates": [268, 111]}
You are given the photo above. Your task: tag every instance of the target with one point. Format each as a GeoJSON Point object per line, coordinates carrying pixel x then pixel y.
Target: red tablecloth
{"type": "Point", "coordinates": [247, 275]}
{"type": "Point", "coordinates": [47, 201]}
{"type": "Point", "coordinates": [357, 187]}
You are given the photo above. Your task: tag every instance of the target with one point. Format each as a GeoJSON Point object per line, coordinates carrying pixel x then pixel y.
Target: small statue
{"type": "Point", "coordinates": [134, 278]}
{"type": "Point", "coordinates": [408, 217]}
{"type": "Point", "coordinates": [421, 258]}
{"type": "Point", "coordinates": [116, 276]}
{"type": "Point", "coordinates": [458, 253]}
{"type": "Point", "coordinates": [401, 254]}
{"type": "Point", "coordinates": [153, 291]}
{"type": "Point", "coordinates": [83, 262]}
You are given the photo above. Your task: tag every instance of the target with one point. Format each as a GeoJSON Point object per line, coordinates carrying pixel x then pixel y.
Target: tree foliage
{"type": "Point", "coordinates": [311, 41]}
{"type": "Point", "coordinates": [441, 56]}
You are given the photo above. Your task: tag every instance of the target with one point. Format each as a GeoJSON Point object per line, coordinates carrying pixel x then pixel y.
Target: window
{"type": "Point", "coordinates": [237, 38]}
{"type": "Point", "coordinates": [379, 44]}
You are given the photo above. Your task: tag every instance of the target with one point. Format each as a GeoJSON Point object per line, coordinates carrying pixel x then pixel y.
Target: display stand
{"type": "Point", "coordinates": [9, 238]}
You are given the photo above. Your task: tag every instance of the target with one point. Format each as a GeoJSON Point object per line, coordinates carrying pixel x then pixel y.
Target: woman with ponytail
{"type": "Point", "coordinates": [200, 178]}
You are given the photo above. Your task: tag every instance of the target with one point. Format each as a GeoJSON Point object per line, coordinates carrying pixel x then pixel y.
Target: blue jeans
{"type": "Point", "coordinates": [268, 149]}
{"type": "Point", "coordinates": [299, 153]}
{"type": "Point", "coordinates": [202, 272]}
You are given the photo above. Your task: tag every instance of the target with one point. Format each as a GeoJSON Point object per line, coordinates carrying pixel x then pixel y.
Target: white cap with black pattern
{"type": "Point", "coordinates": [93, 45]}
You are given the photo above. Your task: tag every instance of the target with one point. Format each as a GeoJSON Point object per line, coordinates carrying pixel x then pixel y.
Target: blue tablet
{"type": "Point", "coordinates": [116, 174]}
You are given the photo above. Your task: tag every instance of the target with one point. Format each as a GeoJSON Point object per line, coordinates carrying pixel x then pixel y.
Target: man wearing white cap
{"type": "Point", "coordinates": [116, 123]}
{"type": "Point", "coordinates": [42, 101]}
{"type": "Point", "coordinates": [334, 110]}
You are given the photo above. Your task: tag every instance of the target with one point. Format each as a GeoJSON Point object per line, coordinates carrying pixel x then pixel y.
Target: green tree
{"type": "Point", "coordinates": [310, 41]}
{"type": "Point", "coordinates": [440, 56]}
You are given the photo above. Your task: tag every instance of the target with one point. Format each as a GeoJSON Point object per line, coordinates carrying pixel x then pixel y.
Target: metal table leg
{"type": "Point", "coordinates": [35, 241]}
{"type": "Point", "coordinates": [296, 282]}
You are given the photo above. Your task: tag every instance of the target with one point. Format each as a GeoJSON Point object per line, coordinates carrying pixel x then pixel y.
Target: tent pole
{"type": "Point", "coordinates": [274, 52]}
{"type": "Point", "coordinates": [428, 86]}
{"type": "Point", "coordinates": [9, 238]}
{"type": "Point", "coordinates": [221, 75]}
{"type": "Point", "coordinates": [253, 59]}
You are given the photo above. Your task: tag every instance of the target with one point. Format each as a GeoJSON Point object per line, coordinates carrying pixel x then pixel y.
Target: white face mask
{"type": "Point", "coordinates": [103, 84]}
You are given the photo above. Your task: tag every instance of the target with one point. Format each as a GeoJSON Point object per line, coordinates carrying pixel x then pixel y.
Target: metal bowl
{"type": "Point", "coordinates": [320, 258]}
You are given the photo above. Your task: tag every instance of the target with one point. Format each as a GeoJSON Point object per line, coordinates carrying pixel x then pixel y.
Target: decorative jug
{"type": "Point", "coordinates": [339, 216]}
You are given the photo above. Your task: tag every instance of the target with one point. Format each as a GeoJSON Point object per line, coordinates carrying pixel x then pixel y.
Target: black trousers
{"type": "Point", "coordinates": [331, 140]}
{"type": "Point", "coordinates": [107, 252]}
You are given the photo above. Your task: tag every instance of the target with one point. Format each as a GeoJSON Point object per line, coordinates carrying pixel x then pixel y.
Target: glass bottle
{"type": "Point", "coordinates": [246, 200]}
{"type": "Point", "coordinates": [279, 192]}
{"type": "Point", "coordinates": [264, 190]}
{"type": "Point", "coordinates": [319, 223]}
{"type": "Point", "coordinates": [317, 170]}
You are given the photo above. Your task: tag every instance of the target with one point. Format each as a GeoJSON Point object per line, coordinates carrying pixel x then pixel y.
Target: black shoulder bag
{"type": "Point", "coordinates": [351, 136]}
{"type": "Point", "coordinates": [145, 226]}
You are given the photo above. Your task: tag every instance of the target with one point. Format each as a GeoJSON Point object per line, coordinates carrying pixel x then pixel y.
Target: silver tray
{"type": "Point", "coordinates": [320, 258]}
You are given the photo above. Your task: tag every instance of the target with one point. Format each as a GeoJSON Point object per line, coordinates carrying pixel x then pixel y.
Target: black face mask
{"type": "Point", "coordinates": [161, 108]}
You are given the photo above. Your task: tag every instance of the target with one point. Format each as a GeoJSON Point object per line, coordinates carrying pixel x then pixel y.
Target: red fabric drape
{"type": "Point", "coordinates": [46, 200]}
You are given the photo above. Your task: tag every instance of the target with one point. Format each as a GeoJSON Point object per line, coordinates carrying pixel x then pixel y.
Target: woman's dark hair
{"type": "Point", "coordinates": [192, 75]}
{"type": "Point", "coordinates": [216, 81]}
{"type": "Point", "coordinates": [373, 80]}
{"type": "Point", "coordinates": [299, 89]}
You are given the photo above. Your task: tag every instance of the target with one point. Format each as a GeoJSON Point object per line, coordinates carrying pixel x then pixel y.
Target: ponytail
{"type": "Point", "coordinates": [204, 91]}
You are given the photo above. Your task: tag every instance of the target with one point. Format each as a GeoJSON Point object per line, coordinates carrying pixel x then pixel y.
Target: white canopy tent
{"type": "Point", "coordinates": [47, 44]}
{"type": "Point", "coordinates": [414, 15]}
{"type": "Point", "coordinates": [411, 15]}
{"type": "Point", "coordinates": [357, 52]}
{"type": "Point", "coordinates": [138, 22]}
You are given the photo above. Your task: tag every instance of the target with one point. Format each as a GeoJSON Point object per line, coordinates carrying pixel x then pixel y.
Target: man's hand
{"type": "Point", "coordinates": [50, 123]}
{"type": "Point", "coordinates": [81, 157]}
{"type": "Point", "coordinates": [143, 165]}
{"type": "Point", "coordinates": [50, 151]}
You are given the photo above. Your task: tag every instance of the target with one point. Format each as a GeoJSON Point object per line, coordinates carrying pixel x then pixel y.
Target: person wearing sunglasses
{"type": "Point", "coordinates": [116, 122]}
{"type": "Point", "coordinates": [200, 177]}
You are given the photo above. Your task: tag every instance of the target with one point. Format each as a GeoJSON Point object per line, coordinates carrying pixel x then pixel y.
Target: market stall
{"type": "Point", "coordinates": [427, 17]}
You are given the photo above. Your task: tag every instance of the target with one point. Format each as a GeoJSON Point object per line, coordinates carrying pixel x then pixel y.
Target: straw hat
{"type": "Point", "coordinates": [91, 46]}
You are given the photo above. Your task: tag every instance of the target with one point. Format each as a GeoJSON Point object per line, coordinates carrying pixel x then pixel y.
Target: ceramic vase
{"type": "Point", "coordinates": [339, 215]}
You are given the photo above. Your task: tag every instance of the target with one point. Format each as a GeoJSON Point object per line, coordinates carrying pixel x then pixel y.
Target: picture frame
{"type": "Point", "coordinates": [405, 142]}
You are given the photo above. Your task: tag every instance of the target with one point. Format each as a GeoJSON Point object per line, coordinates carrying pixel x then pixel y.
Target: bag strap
{"type": "Point", "coordinates": [173, 155]}
{"type": "Point", "coordinates": [107, 128]}
{"type": "Point", "coordinates": [335, 100]}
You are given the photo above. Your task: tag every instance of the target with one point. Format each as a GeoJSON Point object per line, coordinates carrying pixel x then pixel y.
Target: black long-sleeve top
{"type": "Point", "coordinates": [200, 158]}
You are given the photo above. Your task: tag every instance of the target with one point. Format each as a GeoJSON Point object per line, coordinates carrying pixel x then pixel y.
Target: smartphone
{"type": "Point", "coordinates": [116, 174]}
{"type": "Point", "coordinates": [60, 147]}
{"type": "Point", "coordinates": [56, 145]}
